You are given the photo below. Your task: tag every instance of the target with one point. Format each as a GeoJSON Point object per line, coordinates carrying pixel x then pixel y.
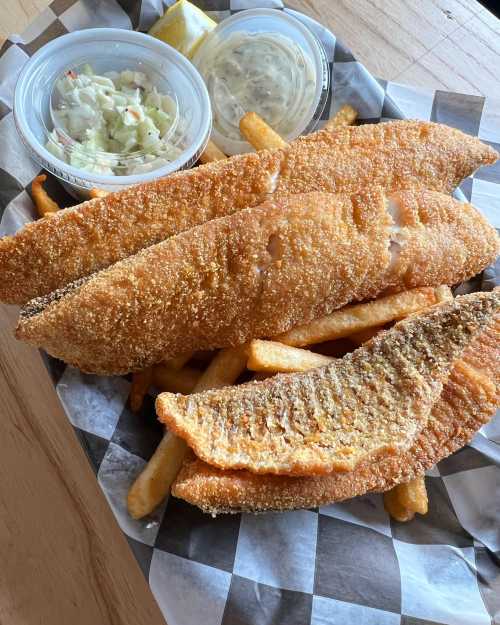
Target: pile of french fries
{"type": "Point", "coordinates": [269, 357]}
{"type": "Point", "coordinates": [287, 353]}
{"type": "Point", "coordinates": [284, 354]}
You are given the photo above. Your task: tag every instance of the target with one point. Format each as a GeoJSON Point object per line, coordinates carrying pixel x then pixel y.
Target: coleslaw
{"type": "Point", "coordinates": [114, 124]}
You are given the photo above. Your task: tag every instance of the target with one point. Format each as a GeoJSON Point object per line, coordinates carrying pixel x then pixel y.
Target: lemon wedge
{"type": "Point", "coordinates": [183, 26]}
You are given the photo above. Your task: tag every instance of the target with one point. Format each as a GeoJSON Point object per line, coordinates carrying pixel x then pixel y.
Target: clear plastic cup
{"type": "Point", "coordinates": [268, 21]}
{"type": "Point", "coordinates": [109, 49]}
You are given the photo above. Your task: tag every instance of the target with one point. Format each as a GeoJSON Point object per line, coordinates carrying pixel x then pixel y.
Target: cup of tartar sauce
{"type": "Point", "coordinates": [107, 108]}
{"type": "Point", "coordinates": [266, 61]}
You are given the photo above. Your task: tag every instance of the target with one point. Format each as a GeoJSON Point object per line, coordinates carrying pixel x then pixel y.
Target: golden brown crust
{"type": "Point", "coordinates": [430, 243]}
{"type": "Point", "coordinates": [395, 155]}
{"type": "Point", "coordinates": [219, 284]}
{"type": "Point", "coordinates": [46, 255]}
{"type": "Point", "coordinates": [253, 274]}
{"type": "Point", "coordinates": [86, 238]}
{"type": "Point", "coordinates": [468, 400]}
{"type": "Point", "coordinates": [370, 403]}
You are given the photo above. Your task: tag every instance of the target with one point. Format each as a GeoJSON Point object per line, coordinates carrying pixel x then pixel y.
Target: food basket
{"type": "Point", "coordinates": [337, 564]}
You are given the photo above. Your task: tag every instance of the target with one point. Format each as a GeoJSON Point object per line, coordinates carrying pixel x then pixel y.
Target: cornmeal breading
{"type": "Point", "coordinates": [257, 273]}
{"type": "Point", "coordinates": [50, 253]}
{"type": "Point", "coordinates": [373, 402]}
{"type": "Point", "coordinates": [468, 400]}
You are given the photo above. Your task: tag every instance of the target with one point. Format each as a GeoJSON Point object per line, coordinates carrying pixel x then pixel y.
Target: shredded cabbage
{"type": "Point", "coordinates": [114, 124]}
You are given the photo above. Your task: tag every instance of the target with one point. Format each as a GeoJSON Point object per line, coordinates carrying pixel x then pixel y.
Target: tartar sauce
{"type": "Point", "coordinates": [114, 124]}
{"type": "Point", "coordinates": [263, 72]}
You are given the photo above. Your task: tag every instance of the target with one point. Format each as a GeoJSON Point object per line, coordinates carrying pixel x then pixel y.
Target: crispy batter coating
{"type": "Point", "coordinates": [468, 400]}
{"type": "Point", "coordinates": [425, 254]}
{"type": "Point", "coordinates": [47, 255]}
{"type": "Point", "coordinates": [373, 402]}
{"type": "Point", "coordinates": [257, 273]}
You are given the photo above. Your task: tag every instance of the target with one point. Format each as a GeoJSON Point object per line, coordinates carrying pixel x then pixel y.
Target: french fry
{"type": "Point", "coordinates": [94, 193]}
{"type": "Point", "coordinates": [272, 357]}
{"type": "Point", "coordinates": [345, 116]}
{"type": "Point", "coordinates": [179, 361]}
{"type": "Point", "coordinates": [363, 336]}
{"type": "Point", "coordinates": [443, 294]}
{"type": "Point", "coordinates": [413, 495]}
{"type": "Point", "coordinates": [225, 368]}
{"type": "Point", "coordinates": [153, 483]}
{"type": "Point", "coordinates": [212, 153]}
{"type": "Point", "coordinates": [176, 381]}
{"type": "Point", "coordinates": [44, 204]}
{"type": "Point", "coordinates": [141, 381]}
{"type": "Point", "coordinates": [405, 500]}
{"type": "Point", "coordinates": [357, 317]}
{"type": "Point", "coordinates": [261, 136]}
{"type": "Point", "coordinates": [394, 507]}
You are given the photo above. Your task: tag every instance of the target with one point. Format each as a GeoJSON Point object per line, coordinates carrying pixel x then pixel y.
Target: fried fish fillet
{"type": "Point", "coordinates": [371, 403]}
{"type": "Point", "coordinates": [258, 273]}
{"type": "Point", "coordinates": [48, 254]}
{"type": "Point", "coordinates": [468, 400]}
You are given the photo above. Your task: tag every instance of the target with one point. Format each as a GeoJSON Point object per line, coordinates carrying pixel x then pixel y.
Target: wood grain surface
{"type": "Point", "coordinates": [63, 558]}
{"type": "Point", "coordinates": [438, 44]}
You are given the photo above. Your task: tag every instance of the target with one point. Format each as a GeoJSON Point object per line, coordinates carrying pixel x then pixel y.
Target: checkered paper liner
{"type": "Point", "coordinates": [344, 563]}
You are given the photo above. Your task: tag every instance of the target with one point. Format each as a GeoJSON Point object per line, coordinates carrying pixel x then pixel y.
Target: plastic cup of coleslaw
{"type": "Point", "coordinates": [112, 50]}
{"type": "Point", "coordinates": [268, 62]}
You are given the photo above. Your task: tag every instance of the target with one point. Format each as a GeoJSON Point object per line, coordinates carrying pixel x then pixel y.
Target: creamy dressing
{"type": "Point", "coordinates": [114, 124]}
{"type": "Point", "coordinates": [267, 73]}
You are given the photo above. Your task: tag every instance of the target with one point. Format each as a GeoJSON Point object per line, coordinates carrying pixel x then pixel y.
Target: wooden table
{"type": "Point", "coordinates": [64, 559]}
{"type": "Point", "coordinates": [438, 44]}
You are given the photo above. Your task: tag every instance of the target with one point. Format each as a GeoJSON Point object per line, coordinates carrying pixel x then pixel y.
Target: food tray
{"type": "Point", "coordinates": [338, 564]}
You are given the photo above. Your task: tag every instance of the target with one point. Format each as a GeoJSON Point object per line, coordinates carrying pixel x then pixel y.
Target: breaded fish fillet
{"type": "Point", "coordinates": [468, 400]}
{"type": "Point", "coordinates": [50, 253]}
{"type": "Point", "coordinates": [258, 273]}
{"type": "Point", "coordinates": [373, 402]}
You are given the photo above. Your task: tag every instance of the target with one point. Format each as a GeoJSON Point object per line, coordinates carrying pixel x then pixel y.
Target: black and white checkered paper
{"type": "Point", "coordinates": [340, 564]}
